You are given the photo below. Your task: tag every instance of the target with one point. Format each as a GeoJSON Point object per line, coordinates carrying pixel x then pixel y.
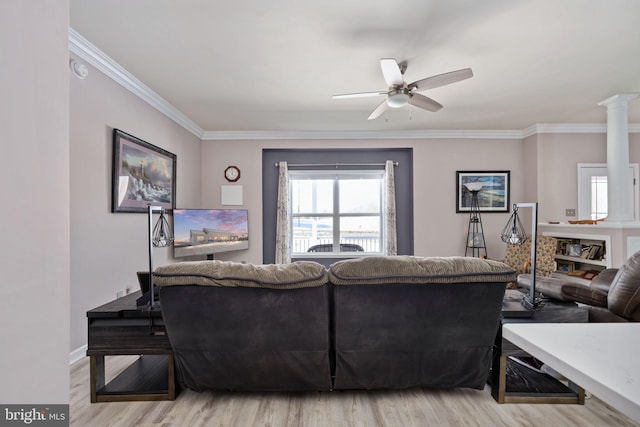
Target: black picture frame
{"type": "Point", "coordinates": [142, 174]}
{"type": "Point", "coordinates": [494, 195]}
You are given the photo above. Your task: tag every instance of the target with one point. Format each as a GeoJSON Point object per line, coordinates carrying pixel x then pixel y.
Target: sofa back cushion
{"type": "Point", "coordinates": [300, 274]}
{"type": "Point", "coordinates": [418, 270]}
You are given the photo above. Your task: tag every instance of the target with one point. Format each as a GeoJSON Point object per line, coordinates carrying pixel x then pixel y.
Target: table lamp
{"type": "Point", "coordinates": [160, 236]}
{"type": "Point", "coordinates": [514, 233]}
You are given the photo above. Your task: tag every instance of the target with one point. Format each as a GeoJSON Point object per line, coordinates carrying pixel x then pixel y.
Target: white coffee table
{"type": "Point", "coordinates": [600, 357]}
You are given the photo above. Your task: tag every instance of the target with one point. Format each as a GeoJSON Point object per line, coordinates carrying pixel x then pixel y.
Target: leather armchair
{"type": "Point", "coordinates": [612, 296]}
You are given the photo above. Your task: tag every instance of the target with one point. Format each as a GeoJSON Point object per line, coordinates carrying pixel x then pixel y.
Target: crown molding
{"type": "Point", "coordinates": [564, 128]}
{"type": "Point", "coordinates": [84, 49]}
{"type": "Point", "coordinates": [381, 134]}
{"type": "Point", "coordinates": [573, 128]}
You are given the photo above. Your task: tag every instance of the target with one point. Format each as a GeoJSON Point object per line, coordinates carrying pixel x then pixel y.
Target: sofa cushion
{"type": "Point", "coordinates": [418, 270]}
{"type": "Point", "coordinates": [584, 294]}
{"type": "Point", "coordinates": [299, 274]}
{"type": "Point", "coordinates": [550, 287]}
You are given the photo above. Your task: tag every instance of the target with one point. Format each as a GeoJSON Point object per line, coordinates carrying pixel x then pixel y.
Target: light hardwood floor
{"type": "Point", "coordinates": [401, 408]}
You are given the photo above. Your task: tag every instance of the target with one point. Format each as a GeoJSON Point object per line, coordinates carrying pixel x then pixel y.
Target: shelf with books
{"type": "Point", "coordinates": [581, 256]}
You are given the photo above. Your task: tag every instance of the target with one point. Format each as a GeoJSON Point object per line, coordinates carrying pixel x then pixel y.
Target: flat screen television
{"type": "Point", "coordinates": [209, 231]}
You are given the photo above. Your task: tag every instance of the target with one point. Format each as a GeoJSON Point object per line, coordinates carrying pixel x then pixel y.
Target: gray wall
{"type": "Point", "coordinates": [437, 230]}
{"type": "Point", "coordinates": [34, 171]}
{"type": "Point", "coordinates": [107, 249]}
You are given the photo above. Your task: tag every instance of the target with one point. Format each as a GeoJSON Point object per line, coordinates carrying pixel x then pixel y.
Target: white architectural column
{"type": "Point", "coordinates": [620, 206]}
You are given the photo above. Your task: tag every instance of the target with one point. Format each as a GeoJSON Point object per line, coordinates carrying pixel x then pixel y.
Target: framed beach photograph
{"type": "Point", "coordinates": [589, 275]}
{"type": "Point", "coordinates": [143, 174]}
{"type": "Point", "coordinates": [492, 187]}
{"type": "Point", "coordinates": [566, 266]}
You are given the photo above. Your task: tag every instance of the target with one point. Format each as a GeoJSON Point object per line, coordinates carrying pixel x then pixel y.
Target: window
{"type": "Point", "coordinates": [319, 156]}
{"type": "Point", "coordinates": [592, 190]}
{"type": "Point", "coordinates": [598, 196]}
{"type": "Point", "coordinates": [337, 212]}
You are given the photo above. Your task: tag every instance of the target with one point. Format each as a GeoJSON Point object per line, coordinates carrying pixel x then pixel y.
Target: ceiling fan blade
{"type": "Point", "coordinates": [391, 72]}
{"type": "Point", "coordinates": [442, 79]}
{"type": "Point", "coordinates": [379, 110]}
{"type": "Point", "coordinates": [358, 95]}
{"type": "Point", "coordinates": [425, 103]}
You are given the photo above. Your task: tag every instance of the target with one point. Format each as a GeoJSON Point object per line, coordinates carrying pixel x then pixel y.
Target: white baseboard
{"type": "Point", "coordinates": [77, 354]}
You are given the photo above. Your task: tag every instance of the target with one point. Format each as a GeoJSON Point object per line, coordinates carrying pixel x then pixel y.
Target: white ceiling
{"type": "Point", "coordinates": [258, 65]}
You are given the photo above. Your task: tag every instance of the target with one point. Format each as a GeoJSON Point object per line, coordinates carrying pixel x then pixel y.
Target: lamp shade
{"type": "Point", "coordinates": [474, 186]}
{"type": "Point", "coordinates": [162, 234]}
{"type": "Point", "coordinates": [513, 232]}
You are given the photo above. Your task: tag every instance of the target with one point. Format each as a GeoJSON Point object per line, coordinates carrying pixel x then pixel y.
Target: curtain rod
{"type": "Point", "coordinates": [337, 165]}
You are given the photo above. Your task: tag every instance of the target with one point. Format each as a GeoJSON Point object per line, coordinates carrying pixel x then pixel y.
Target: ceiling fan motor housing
{"type": "Point", "coordinates": [397, 98]}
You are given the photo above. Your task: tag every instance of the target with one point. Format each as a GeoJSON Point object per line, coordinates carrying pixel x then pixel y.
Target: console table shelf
{"type": "Point", "coordinates": [145, 379]}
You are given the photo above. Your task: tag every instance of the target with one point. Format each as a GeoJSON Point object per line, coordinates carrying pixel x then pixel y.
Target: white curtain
{"type": "Point", "coordinates": [391, 243]}
{"type": "Point", "coordinates": [283, 220]}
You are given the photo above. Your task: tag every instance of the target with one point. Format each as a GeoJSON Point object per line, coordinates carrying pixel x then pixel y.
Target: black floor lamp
{"type": "Point", "coordinates": [475, 234]}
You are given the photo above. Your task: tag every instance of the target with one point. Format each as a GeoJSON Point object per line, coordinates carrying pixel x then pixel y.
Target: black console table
{"type": "Point", "coordinates": [121, 328]}
{"type": "Point", "coordinates": [512, 382]}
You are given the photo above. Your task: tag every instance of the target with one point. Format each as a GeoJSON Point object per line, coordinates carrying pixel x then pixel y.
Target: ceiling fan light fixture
{"type": "Point", "coordinates": [397, 99]}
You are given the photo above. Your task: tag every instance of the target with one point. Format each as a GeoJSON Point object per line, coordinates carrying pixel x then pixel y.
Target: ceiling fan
{"type": "Point", "coordinates": [400, 93]}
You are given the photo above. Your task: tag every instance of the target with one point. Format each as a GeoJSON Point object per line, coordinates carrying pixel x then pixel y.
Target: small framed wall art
{"type": "Point", "coordinates": [142, 174]}
{"type": "Point", "coordinates": [493, 190]}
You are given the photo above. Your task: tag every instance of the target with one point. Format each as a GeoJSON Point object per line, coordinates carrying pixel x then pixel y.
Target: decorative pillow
{"type": "Point", "coordinates": [519, 256]}
{"type": "Point", "coordinates": [411, 269]}
{"type": "Point", "coordinates": [299, 274]}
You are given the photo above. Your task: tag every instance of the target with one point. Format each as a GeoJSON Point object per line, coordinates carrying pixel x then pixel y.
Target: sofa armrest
{"type": "Point", "coordinates": [550, 287]}
{"type": "Point", "coordinates": [603, 280]}
{"type": "Point", "coordinates": [585, 295]}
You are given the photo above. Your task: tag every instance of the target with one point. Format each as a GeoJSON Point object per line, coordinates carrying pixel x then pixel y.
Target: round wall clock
{"type": "Point", "coordinates": [232, 173]}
